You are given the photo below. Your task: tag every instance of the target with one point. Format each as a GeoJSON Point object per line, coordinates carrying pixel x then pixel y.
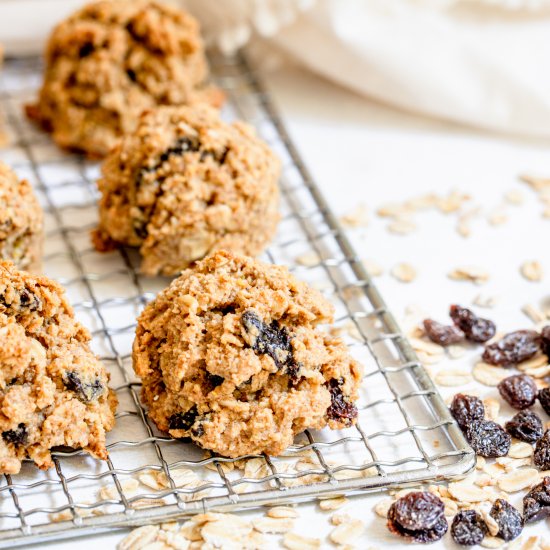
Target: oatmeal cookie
{"type": "Point", "coordinates": [185, 184]}
{"type": "Point", "coordinates": [21, 224]}
{"type": "Point", "coordinates": [230, 355]}
{"type": "Point", "coordinates": [110, 61]}
{"type": "Point", "coordinates": [53, 389]}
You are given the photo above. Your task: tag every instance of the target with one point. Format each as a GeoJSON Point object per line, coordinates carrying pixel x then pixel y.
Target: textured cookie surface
{"type": "Point", "coordinates": [185, 184]}
{"type": "Point", "coordinates": [110, 61]}
{"type": "Point", "coordinates": [53, 389]}
{"type": "Point", "coordinates": [230, 355]}
{"type": "Point", "coordinates": [21, 230]}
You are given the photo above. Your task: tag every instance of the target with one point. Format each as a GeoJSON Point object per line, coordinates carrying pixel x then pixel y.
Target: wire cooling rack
{"type": "Point", "coordinates": [404, 435]}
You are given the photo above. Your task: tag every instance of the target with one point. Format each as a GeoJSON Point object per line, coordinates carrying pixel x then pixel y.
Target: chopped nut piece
{"type": "Point", "coordinates": [404, 272]}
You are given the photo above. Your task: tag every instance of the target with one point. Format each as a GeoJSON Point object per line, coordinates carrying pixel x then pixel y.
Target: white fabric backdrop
{"type": "Point", "coordinates": [480, 62]}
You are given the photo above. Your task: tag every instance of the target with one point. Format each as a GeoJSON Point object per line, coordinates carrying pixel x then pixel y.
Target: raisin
{"type": "Point", "coordinates": [474, 328]}
{"type": "Point", "coordinates": [526, 426]}
{"type": "Point", "coordinates": [214, 379]}
{"type": "Point", "coordinates": [545, 340]}
{"type": "Point", "coordinates": [86, 49]}
{"type": "Point", "coordinates": [183, 421]}
{"type": "Point", "coordinates": [28, 300]}
{"type": "Point", "coordinates": [509, 520]}
{"type": "Point", "coordinates": [513, 348]}
{"type": "Point", "coordinates": [541, 457]}
{"type": "Point", "coordinates": [544, 399]}
{"type": "Point", "coordinates": [16, 437]}
{"type": "Point", "coordinates": [182, 145]}
{"type": "Point", "coordinates": [219, 156]}
{"type": "Point", "coordinates": [87, 391]}
{"type": "Point", "coordinates": [271, 340]}
{"type": "Point", "coordinates": [418, 516]}
{"type": "Point", "coordinates": [198, 430]}
{"type": "Point", "coordinates": [418, 510]}
{"type": "Point", "coordinates": [425, 536]}
{"type": "Point", "coordinates": [468, 528]}
{"type": "Point", "coordinates": [467, 409]}
{"type": "Point", "coordinates": [340, 408]}
{"type": "Point", "coordinates": [444, 335]}
{"type": "Point", "coordinates": [488, 439]}
{"type": "Point", "coordinates": [519, 391]}
{"type": "Point", "coordinates": [536, 503]}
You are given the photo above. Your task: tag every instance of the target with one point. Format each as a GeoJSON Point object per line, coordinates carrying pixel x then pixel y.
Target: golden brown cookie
{"type": "Point", "coordinates": [53, 389]}
{"type": "Point", "coordinates": [113, 59]}
{"type": "Point", "coordinates": [21, 222]}
{"type": "Point", "coordinates": [230, 355]}
{"type": "Point", "coordinates": [184, 184]}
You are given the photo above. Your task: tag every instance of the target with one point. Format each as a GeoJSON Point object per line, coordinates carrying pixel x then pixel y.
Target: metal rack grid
{"type": "Point", "coordinates": [404, 435]}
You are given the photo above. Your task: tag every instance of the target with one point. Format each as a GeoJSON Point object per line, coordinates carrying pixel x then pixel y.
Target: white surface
{"type": "Point", "coordinates": [362, 152]}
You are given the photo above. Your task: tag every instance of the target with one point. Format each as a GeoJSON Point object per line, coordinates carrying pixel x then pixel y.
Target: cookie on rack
{"type": "Point", "coordinates": [230, 355]}
{"type": "Point", "coordinates": [53, 389]}
{"type": "Point", "coordinates": [184, 184]}
{"type": "Point", "coordinates": [113, 59]}
{"type": "Point", "coordinates": [21, 222]}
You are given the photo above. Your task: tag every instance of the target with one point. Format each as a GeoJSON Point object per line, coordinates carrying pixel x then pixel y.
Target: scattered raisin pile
{"type": "Point", "coordinates": [486, 437]}
{"type": "Point", "coordinates": [418, 516]}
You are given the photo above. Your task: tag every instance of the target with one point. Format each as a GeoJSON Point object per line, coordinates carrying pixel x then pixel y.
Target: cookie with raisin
{"type": "Point", "coordinates": [113, 59]}
{"type": "Point", "coordinates": [21, 222]}
{"type": "Point", "coordinates": [186, 184]}
{"type": "Point", "coordinates": [231, 356]}
{"type": "Point", "coordinates": [53, 390]}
